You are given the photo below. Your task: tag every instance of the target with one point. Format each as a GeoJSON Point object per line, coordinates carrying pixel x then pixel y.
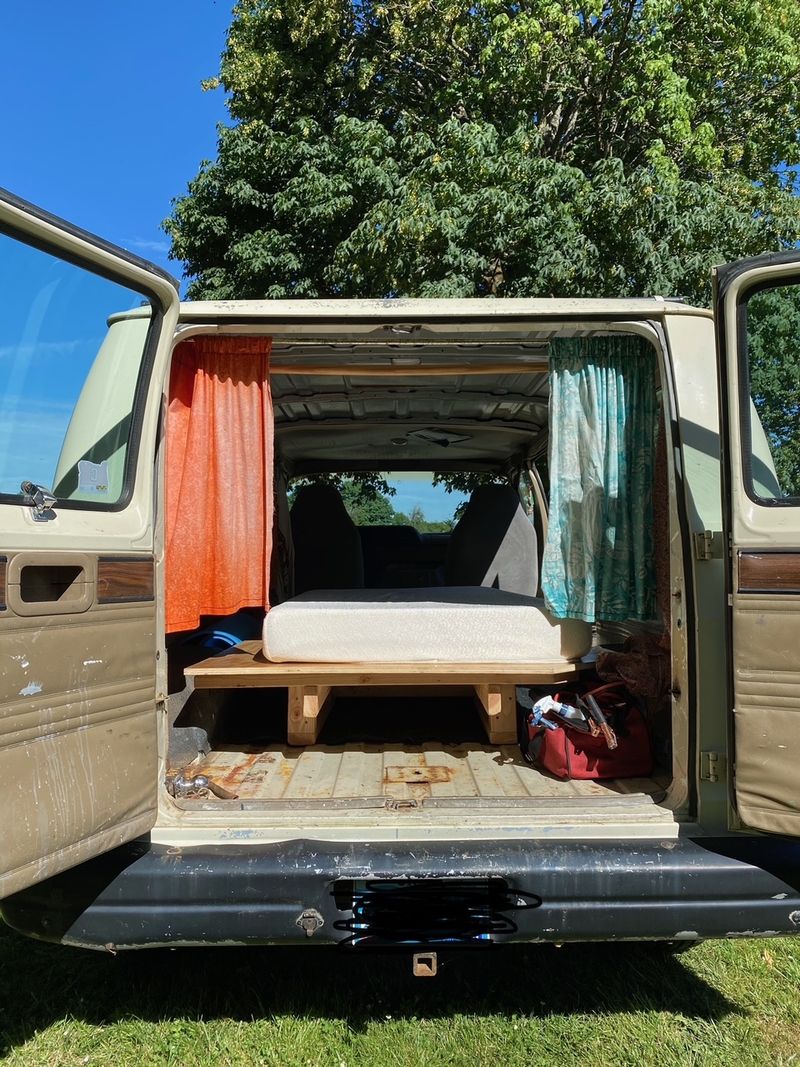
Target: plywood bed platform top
{"type": "Point", "coordinates": [246, 666]}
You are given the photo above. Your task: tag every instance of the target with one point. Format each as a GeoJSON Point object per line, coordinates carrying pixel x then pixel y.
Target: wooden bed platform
{"type": "Point", "coordinates": [314, 686]}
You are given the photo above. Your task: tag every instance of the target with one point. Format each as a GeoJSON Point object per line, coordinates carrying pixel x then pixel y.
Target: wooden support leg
{"type": "Point", "coordinates": [308, 709]}
{"type": "Point", "coordinates": [497, 705]}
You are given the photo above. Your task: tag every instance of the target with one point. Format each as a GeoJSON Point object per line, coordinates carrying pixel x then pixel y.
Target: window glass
{"type": "Point", "coordinates": [431, 503]}
{"type": "Point", "coordinates": [772, 414]}
{"type": "Point", "coordinates": [71, 347]}
{"type": "Point", "coordinates": [428, 503]}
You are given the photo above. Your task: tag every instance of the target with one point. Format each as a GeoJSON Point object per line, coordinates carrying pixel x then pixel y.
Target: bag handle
{"type": "Point", "coordinates": [600, 693]}
{"type": "Point", "coordinates": [604, 690]}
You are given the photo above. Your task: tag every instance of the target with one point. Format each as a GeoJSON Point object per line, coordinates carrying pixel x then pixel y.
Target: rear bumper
{"type": "Point", "coordinates": [145, 895]}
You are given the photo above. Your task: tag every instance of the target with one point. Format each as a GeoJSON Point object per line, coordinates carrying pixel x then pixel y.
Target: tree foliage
{"type": "Point", "coordinates": [542, 147]}
{"type": "Point", "coordinates": [773, 341]}
{"type": "Point", "coordinates": [366, 496]}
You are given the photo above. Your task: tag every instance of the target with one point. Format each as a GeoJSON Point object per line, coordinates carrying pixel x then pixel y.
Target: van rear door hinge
{"type": "Point", "coordinates": [712, 766]}
{"type": "Point", "coordinates": [704, 545]}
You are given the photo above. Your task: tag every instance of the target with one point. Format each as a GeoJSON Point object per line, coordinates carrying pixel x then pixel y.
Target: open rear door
{"type": "Point", "coordinates": [85, 332]}
{"type": "Point", "coordinates": [758, 335]}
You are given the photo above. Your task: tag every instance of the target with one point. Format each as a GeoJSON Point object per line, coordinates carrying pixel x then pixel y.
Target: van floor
{"type": "Point", "coordinates": [399, 772]}
{"type": "Point", "coordinates": [402, 749]}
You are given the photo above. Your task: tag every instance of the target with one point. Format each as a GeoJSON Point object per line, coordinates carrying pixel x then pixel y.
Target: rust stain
{"type": "Point", "coordinates": [417, 775]}
{"type": "Point", "coordinates": [233, 776]}
{"type": "Point", "coordinates": [240, 771]}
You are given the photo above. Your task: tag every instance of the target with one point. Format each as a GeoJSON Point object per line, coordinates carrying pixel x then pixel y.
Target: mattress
{"type": "Point", "coordinates": [469, 624]}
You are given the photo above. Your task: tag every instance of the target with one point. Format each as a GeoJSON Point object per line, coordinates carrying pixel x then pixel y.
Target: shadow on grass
{"type": "Point", "coordinates": [41, 983]}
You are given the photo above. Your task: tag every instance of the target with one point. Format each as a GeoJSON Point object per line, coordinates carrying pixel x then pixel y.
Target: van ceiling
{"type": "Point", "coordinates": [478, 415]}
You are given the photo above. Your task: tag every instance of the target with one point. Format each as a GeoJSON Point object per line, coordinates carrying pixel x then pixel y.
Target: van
{"type": "Point", "coordinates": [355, 765]}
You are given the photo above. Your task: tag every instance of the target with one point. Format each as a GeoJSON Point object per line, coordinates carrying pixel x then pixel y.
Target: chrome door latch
{"type": "Point", "coordinates": [40, 499]}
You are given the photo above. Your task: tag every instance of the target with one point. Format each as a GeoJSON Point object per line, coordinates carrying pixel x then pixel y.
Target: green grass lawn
{"type": "Point", "coordinates": [720, 1003]}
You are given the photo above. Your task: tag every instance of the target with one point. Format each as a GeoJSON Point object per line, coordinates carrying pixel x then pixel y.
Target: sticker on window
{"type": "Point", "coordinates": [92, 477]}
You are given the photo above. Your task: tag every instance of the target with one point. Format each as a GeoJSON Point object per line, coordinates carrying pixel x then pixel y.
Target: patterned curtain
{"type": "Point", "coordinates": [598, 556]}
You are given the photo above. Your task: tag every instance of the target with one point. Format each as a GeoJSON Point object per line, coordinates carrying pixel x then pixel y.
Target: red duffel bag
{"type": "Point", "coordinates": [570, 752]}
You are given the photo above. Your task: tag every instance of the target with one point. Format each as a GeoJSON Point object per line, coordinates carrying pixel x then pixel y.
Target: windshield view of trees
{"type": "Point", "coordinates": [367, 498]}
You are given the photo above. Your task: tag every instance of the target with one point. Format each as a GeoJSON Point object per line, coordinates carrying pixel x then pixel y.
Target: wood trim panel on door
{"type": "Point", "coordinates": [121, 579]}
{"type": "Point", "coordinates": [769, 572]}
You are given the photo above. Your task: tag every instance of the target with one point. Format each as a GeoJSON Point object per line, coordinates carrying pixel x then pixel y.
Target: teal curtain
{"type": "Point", "coordinates": [598, 555]}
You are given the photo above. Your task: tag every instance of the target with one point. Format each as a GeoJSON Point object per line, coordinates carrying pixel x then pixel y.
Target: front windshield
{"type": "Point", "coordinates": [431, 502]}
{"type": "Point", "coordinates": [422, 502]}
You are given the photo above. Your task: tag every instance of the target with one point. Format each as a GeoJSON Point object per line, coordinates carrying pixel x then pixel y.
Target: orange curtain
{"type": "Point", "coordinates": [219, 491]}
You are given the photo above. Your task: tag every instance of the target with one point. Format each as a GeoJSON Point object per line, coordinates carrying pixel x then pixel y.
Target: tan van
{"type": "Point", "coordinates": [355, 765]}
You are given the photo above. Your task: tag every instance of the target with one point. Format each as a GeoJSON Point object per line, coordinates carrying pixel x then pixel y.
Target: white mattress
{"type": "Point", "coordinates": [444, 624]}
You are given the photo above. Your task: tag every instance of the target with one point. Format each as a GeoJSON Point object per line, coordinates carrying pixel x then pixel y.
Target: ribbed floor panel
{"type": "Point", "coordinates": [324, 772]}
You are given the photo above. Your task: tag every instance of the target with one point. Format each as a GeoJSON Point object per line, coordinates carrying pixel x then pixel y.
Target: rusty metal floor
{"type": "Point", "coordinates": [398, 771]}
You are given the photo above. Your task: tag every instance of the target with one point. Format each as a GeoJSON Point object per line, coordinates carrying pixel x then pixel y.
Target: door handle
{"type": "Point", "coordinates": [50, 583]}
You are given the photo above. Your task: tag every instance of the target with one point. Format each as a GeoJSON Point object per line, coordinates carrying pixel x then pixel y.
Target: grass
{"type": "Point", "coordinates": [720, 1003]}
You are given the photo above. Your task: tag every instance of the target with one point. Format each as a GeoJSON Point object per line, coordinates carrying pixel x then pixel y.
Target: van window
{"type": "Point", "coordinates": [771, 413]}
{"type": "Point", "coordinates": [430, 502]}
{"type": "Point", "coordinates": [71, 349]}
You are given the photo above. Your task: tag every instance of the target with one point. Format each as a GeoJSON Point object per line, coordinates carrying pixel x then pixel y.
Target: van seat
{"type": "Point", "coordinates": [494, 543]}
{"type": "Point", "coordinates": [327, 548]}
{"type": "Point", "coordinates": [398, 557]}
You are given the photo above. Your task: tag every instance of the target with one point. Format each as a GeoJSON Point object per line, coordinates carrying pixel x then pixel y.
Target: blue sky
{"type": "Point", "coordinates": [417, 489]}
{"type": "Point", "coordinates": [103, 117]}
{"type": "Point", "coordinates": [103, 122]}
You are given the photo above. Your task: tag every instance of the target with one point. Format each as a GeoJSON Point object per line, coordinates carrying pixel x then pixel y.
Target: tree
{"type": "Point", "coordinates": [773, 342]}
{"type": "Point", "coordinates": [365, 505]}
{"type": "Point", "coordinates": [416, 518]}
{"type": "Point", "coordinates": [366, 497]}
{"type": "Point", "coordinates": [453, 148]}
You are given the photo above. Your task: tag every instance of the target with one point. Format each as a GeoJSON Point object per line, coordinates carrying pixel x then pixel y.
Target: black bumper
{"type": "Point", "coordinates": [418, 894]}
